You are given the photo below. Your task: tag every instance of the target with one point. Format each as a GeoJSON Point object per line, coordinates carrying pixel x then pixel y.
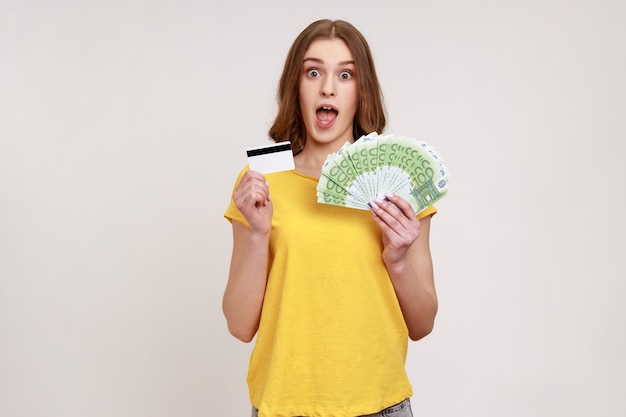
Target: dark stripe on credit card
{"type": "Point", "coordinates": [269, 149]}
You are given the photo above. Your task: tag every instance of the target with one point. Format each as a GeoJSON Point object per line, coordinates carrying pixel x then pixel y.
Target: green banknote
{"type": "Point", "coordinates": [375, 165]}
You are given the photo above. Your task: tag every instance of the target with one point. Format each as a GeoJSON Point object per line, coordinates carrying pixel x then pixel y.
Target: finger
{"type": "Point", "coordinates": [390, 234]}
{"type": "Point", "coordinates": [254, 173]}
{"type": "Point", "coordinates": [391, 213]}
{"type": "Point", "coordinates": [397, 220]}
{"type": "Point", "coordinates": [389, 217]}
{"type": "Point", "coordinates": [252, 192]}
{"type": "Point", "coordinates": [402, 204]}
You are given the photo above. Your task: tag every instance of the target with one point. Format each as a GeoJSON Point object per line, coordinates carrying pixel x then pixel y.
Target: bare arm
{"type": "Point", "coordinates": [406, 253]}
{"type": "Point", "coordinates": [245, 290]}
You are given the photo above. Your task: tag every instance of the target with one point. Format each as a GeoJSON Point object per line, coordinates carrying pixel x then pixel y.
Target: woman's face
{"type": "Point", "coordinates": [328, 91]}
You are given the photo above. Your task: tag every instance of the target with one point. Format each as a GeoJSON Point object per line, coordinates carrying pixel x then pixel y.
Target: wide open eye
{"type": "Point", "coordinates": [313, 73]}
{"type": "Point", "coordinates": [345, 75]}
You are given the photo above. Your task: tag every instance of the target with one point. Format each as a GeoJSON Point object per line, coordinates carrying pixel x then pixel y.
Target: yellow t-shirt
{"type": "Point", "coordinates": [332, 340]}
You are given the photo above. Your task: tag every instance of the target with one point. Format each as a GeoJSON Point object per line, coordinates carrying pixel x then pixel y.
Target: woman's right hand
{"type": "Point", "coordinates": [247, 279]}
{"type": "Point", "coordinates": [252, 198]}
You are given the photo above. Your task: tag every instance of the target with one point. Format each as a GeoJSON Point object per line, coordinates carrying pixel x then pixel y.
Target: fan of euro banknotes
{"type": "Point", "coordinates": [366, 170]}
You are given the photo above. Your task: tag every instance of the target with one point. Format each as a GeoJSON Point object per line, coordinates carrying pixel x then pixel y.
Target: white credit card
{"type": "Point", "coordinates": [271, 158]}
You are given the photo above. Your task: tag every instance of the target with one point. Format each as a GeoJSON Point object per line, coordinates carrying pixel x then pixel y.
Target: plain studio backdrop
{"type": "Point", "coordinates": [124, 123]}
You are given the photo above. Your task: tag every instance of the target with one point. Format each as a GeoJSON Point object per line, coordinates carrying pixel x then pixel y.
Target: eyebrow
{"type": "Point", "coordinates": [319, 61]}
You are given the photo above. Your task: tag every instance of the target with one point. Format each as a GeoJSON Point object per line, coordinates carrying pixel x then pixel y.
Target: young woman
{"type": "Point", "coordinates": [332, 294]}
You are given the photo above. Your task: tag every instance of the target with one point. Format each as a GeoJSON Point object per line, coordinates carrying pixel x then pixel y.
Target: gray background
{"type": "Point", "coordinates": [123, 125]}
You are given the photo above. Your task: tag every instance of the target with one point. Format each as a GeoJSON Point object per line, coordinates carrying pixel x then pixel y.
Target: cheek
{"type": "Point", "coordinates": [304, 94]}
{"type": "Point", "coordinates": [354, 98]}
{"type": "Point", "coordinates": [353, 92]}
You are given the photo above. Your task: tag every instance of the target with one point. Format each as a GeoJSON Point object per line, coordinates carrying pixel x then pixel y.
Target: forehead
{"type": "Point", "coordinates": [329, 51]}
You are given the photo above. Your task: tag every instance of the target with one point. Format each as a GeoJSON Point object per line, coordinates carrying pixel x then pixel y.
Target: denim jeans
{"type": "Point", "coordinates": [402, 409]}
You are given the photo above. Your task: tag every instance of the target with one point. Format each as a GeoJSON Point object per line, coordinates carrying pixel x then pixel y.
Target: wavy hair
{"type": "Point", "coordinates": [370, 113]}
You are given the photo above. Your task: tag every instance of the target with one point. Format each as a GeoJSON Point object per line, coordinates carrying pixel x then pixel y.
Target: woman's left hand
{"type": "Point", "coordinates": [399, 224]}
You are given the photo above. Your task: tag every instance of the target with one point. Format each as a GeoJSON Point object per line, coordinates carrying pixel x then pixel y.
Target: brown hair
{"type": "Point", "coordinates": [370, 113]}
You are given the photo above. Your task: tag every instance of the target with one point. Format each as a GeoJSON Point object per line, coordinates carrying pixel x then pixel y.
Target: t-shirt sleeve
{"type": "Point", "coordinates": [428, 211]}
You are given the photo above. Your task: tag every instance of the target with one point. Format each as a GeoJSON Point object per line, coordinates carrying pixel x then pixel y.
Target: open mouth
{"type": "Point", "coordinates": [326, 115]}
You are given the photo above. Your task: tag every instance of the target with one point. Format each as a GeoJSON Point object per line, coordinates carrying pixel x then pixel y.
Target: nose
{"type": "Point", "coordinates": [328, 88]}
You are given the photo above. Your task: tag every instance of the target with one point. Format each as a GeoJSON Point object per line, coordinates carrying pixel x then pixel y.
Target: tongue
{"type": "Point", "coordinates": [326, 115]}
